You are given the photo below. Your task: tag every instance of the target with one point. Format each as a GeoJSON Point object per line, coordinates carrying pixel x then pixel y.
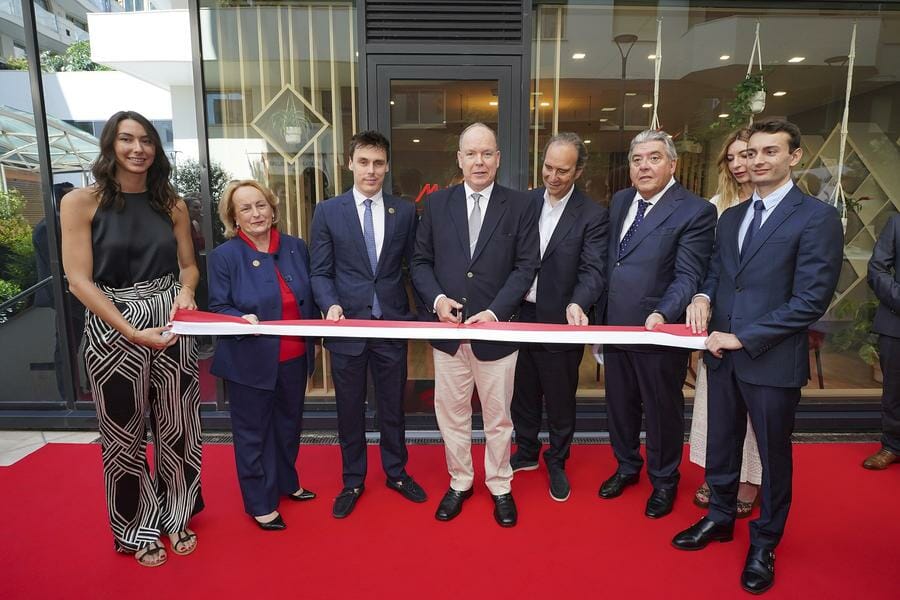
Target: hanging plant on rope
{"type": "Point", "coordinates": [749, 94]}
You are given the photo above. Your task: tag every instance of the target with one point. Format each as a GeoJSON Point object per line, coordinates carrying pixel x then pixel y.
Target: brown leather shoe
{"type": "Point", "coordinates": [880, 460]}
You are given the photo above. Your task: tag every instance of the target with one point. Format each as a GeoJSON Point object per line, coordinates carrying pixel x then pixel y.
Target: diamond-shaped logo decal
{"type": "Point", "coordinates": [289, 123]}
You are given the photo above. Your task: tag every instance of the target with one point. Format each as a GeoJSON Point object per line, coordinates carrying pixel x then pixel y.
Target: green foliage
{"type": "Point", "coordinates": [739, 108]}
{"type": "Point", "coordinates": [858, 334]}
{"type": "Point", "coordinates": [17, 267]}
{"type": "Point", "coordinates": [17, 63]}
{"type": "Point", "coordinates": [186, 179]}
{"type": "Point", "coordinates": [77, 57]}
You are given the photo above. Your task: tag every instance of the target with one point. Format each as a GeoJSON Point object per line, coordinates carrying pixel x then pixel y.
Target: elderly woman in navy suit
{"type": "Point", "coordinates": [261, 274]}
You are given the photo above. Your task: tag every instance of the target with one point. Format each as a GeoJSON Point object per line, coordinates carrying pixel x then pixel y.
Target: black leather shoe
{"type": "Point", "coordinates": [614, 486]}
{"type": "Point", "coordinates": [303, 496]}
{"type": "Point", "coordinates": [451, 504]}
{"type": "Point", "coordinates": [759, 570]}
{"type": "Point", "coordinates": [700, 534]}
{"type": "Point", "coordinates": [346, 501]}
{"type": "Point", "coordinates": [276, 524]}
{"type": "Point", "coordinates": [408, 488]}
{"type": "Point", "coordinates": [505, 510]}
{"type": "Point", "coordinates": [660, 502]}
{"type": "Point", "coordinates": [559, 484]}
{"type": "Point", "coordinates": [518, 462]}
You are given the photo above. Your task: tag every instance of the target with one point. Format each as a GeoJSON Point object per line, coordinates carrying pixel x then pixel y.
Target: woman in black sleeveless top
{"type": "Point", "coordinates": [128, 256]}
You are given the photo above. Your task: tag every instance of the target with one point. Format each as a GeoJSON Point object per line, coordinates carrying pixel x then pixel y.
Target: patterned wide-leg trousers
{"type": "Point", "coordinates": [128, 382]}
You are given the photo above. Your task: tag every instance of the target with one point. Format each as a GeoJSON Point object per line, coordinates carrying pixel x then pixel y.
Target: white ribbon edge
{"type": "Point", "coordinates": [565, 335]}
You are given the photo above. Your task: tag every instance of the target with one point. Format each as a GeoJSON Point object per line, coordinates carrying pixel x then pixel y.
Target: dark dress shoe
{"type": "Point", "coordinates": [518, 462]}
{"type": "Point", "coordinates": [346, 501]}
{"type": "Point", "coordinates": [660, 502]}
{"type": "Point", "coordinates": [615, 485]}
{"type": "Point", "coordinates": [451, 504]}
{"type": "Point", "coordinates": [759, 570]}
{"type": "Point", "coordinates": [408, 488]}
{"type": "Point", "coordinates": [701, 533]}
{"type": "Point", "coordinates": [505, 510]}
{"type": "Point", "coordinates": [303, 496]}
{"type": "Point", "coordinates": [276, 524]}
{"type": "Point", "coordinates": [559, 484]}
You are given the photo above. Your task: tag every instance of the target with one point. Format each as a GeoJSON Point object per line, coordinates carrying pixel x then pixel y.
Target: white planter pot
{"type": "Point", "coordinates": [293, 135]}
{"type": "Point", "coordinates": [758, 102]}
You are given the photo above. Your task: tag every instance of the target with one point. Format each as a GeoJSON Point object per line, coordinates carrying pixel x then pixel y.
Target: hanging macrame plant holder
{"type": "Point", "coordinates": [757, 102]}
{"type": "Point", "coordinates": [838, 197]}
{"type": "Point", "coordinates": [654, 120]}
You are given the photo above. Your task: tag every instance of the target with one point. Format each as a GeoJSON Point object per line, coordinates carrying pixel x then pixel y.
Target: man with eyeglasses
{"type": "Point", "coordinates": [659, 247]}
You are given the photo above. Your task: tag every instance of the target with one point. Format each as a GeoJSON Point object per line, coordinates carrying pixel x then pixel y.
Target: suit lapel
{"type": "Point", "coordinates": [784, 210]}
{"type": "Point", "coordinates": [618, 218]}
{"type": "Point", "coordinates": [459, 215]}
{"type": "Point", "coordinates": [390, 223]}
{"type": "Point", "coordinates": [664, 207]}
{"type": "Point", "coordinates": [354, 229]}
{"type": "Point", "coordinates": [496, 208]}
{"type": "Point", "coordinates": [566, 221]}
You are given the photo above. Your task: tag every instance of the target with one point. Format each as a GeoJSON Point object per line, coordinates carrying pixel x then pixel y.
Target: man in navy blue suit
{"type": "Point", "coordinates": [476, 254]}
{"type": "Point", "coordinates": [573, 236]}
{"type": "Point", "coordinates": [659, 249]}
{"type": "Point", "coordinates": [360, 241]}
{"type": "Point", "coordinates": [773, 274]}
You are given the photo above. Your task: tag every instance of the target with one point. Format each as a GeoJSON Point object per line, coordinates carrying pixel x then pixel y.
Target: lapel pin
{"type": "Point", "coordinates": [391, 210]}
{"type": "Point", "coordinates": [255, 263]}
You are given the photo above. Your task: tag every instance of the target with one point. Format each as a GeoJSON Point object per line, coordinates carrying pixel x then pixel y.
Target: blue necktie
{"type": "Point", "coordinates": [369, 235]}
{"type": "Point", "coordinates": [755, 224]}
{"type": "Point", "coordinates": [638, 219]}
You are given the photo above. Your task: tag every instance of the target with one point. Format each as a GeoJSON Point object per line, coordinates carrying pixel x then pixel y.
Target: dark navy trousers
{"type": "Point", "coordinates": [266, 425]}
{"type": "Point", "coordinates": [771, 411]}
{"type": "Point", "coordinates": [386, 359]}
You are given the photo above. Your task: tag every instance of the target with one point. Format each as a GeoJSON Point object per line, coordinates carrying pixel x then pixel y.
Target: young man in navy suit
{"type": "Point", "coordinates": [659, 249]}
{"type": "Point", "coordinates": [360, 241]}
{"type": "Point", "coordinates": [476, 254]}
{"type": "Point", "coordinates": [573, 236]}
{"type": "Point", "coordinates": [773, 274]}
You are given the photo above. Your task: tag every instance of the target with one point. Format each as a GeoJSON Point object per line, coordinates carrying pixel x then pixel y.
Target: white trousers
{"type": "Point", "coordinates": [454, 379]}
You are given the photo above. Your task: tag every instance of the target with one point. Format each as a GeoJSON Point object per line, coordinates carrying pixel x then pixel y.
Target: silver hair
{"type": "Point", "coordinates": [573, 139]}
{"type": "Point", "coordinates": [654, 135]}
{"type": "Point", "coordinates": [473, 126]}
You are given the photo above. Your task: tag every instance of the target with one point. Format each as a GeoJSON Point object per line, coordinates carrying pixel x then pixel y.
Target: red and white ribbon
{"type": "Point", "coordinates": [195, 322]}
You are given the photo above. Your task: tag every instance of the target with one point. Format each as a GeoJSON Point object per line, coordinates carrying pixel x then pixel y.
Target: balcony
{"type": "Point", "coordinates": [56, 33]}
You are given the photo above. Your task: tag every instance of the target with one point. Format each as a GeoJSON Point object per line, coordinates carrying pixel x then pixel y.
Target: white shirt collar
{"type": "Point", "coordinates": [359, 197]}
{"type": "Point", "coordinates": [656, 197]}
{"type": "Point", "coordinates": [485, 193]}
{"type": "Point", "coordinates": [561, 203]}
{"type": "Point", "coordinates": [776, 196]}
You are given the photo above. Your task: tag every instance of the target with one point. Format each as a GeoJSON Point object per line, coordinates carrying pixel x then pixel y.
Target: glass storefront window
{"type": "Point", "coordinates": [592, 73]}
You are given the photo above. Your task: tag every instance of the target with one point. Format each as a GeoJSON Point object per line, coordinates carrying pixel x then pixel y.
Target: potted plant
{"type": "Point", "coordinates": [293, 124]}
{"type": "Point", "coordinates": [858, 334]}
{"type": "Point", "coordinates": [750, 95]}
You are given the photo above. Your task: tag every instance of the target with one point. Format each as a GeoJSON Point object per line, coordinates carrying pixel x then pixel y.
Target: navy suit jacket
{"type": "Point", "coordinates": [498, 274]}
{"type": "Point", "coordinates": [341, 272]}
{"type": "Point", "coordinates": [237, 287]}
{"type": "Point", "coordinates": [884, 279]}
{"type": "Point", "coordinates": [783, 284]}
{"type": "Point", "coordinates": [666, 260]}
{"type": "Point", "coordinates": [573, 267]}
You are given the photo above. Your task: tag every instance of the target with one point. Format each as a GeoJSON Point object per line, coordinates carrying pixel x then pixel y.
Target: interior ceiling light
{"type": "Point", "coordinates": [416, 140]}
{"type": "Point", "coordinates": [724, 116]}
{"type": "Point", "coordinates": [545, 104]}
{"type": "Point", "coordinates": [647, 105]}
{"type": "Point", "coordinates": [631, 93]}
{"type": "Point", "coordinates": [725, 57]}
{"type": "Point", "coordinates": [392, 102]}
{"type": "Point", "coordinates": [493, 103]}
{"type": "Point", "coordinates": [780, 93]}
{"type": "Point", "coordinates": [608, 109]}
{"type": "Point", "coordinates": [578, 56]}
{"type": "Point", "coordinates": [651, 56]}
{"type": "Point", "coordinates": [587, 141]}
{"type": "Point", "coordinates": [604, 120]}
{"type": "Point", "coordinates": [796, 59]}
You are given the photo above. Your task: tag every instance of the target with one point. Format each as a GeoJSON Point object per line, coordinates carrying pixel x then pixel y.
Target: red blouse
{"type": "Point", "coordinates": [291, 346]}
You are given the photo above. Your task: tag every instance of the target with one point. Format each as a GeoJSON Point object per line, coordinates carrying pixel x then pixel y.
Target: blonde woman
{"type": "Point", "coordinates": [734, 187]}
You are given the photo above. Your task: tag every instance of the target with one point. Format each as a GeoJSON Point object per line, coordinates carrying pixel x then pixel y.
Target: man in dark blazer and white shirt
{"type": "Point", "coordinates": [476, 255]}
{"type": "Point", "coordinates": [573, 236]}
{"type": "Point", "coordinates": [884, 279]}
{"type": "Point", "coordinates": [659, 249]}
{"type": "Point", "coordinates": [773, 274]}
{"type": "Point", "coordinates": [360, 241]}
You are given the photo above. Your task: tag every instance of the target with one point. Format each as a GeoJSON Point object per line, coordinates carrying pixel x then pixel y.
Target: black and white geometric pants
{"type": "Point", "coordinates": [128, 381]}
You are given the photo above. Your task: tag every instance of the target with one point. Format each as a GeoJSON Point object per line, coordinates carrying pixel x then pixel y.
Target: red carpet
{"type": "Point", "coordinates": [841, 539]}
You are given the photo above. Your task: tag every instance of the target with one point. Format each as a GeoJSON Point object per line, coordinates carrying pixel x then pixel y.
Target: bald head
{"type": "Point", "coordinates": [478, 156]}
